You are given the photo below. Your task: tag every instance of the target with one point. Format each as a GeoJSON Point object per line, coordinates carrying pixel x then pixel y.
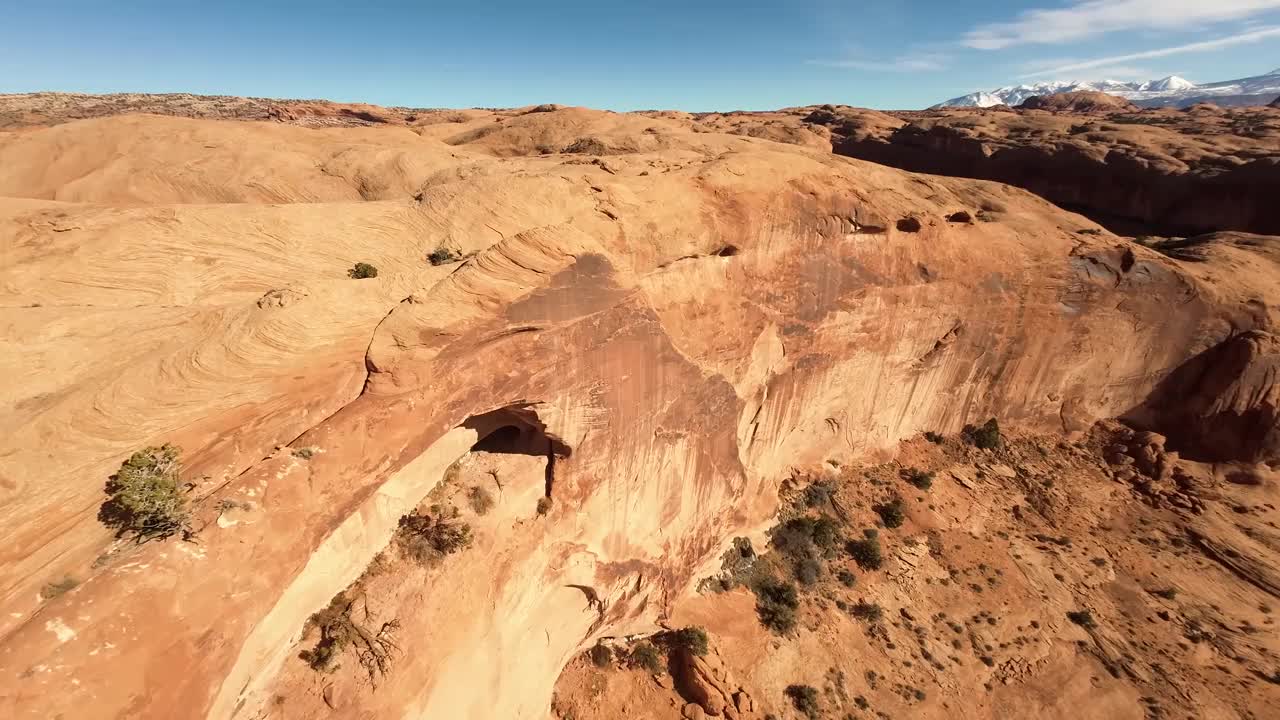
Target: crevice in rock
{"type": "Point", "coordinates": [723, 251]}
{"type": "Point", "coordinates": [1253, 570]}
{"type": "Point", "coordinates": [941, 343]}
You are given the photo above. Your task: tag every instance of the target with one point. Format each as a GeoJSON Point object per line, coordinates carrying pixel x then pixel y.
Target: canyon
{"type": "Point", "coordinates": [1156, 171]}
{"type": "Point", "coordinates": [638, 334]}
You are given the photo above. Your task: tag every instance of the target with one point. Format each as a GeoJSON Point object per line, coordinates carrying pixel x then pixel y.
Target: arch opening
{"type": "Point", "coordinates": [517, 430]}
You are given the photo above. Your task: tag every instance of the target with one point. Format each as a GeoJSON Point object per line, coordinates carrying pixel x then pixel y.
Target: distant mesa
{"type": "Point", "coordinates": [1078, 102]}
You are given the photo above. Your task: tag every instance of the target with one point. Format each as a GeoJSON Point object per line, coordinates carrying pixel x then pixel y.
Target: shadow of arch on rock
{"type": "Point", "coordinates": [1221, 405]}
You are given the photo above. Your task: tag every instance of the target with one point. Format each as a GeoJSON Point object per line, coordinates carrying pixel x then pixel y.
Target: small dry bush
{"type": "Point", "coordinates": [479, 499]}
{"type": "Point", "coordinates": [426, 539]}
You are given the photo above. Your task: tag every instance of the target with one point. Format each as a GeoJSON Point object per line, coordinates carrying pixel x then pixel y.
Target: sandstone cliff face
{"type": "Point", "coordinates": [1161, 171]}
{"type": "Point", "coordinates": [679, 316]}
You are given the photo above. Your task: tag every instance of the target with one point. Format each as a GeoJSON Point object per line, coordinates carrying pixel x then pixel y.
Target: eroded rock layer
{"type": "Point", "coordinates": [1155, 171]}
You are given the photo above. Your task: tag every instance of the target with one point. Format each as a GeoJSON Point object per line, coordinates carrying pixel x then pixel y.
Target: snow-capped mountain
{"type": "Point", "coordinates": [1169, 91]}
{"type": "Point", "coordinates": [1173, 83]}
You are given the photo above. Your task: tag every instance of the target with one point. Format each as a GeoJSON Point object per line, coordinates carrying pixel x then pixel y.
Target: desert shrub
{"type": "Point", "coordinates": [601, 655]}
{"type": "Point", "coordinates": [846, 578]}
{"type": "Point", "coordinates": [306, 453]}
{"type": "Point", "coordinates": [425, 539]}
{"type": "Point", "coordinates": [866, 552]}
{"type": "Point", "coordinates": [443, 256]}
{"type": "Point", "coordinates": [694, 639]}
{"type": "Point", "coordinates": [817, 495]}
{"type": "Point", "coordinates": [986, 437]}
{"type": "Point", "coordinates": [802, 541]}
{"type": "Point", "coordinates": [798, 536]}
{"type": "Point", "coordinates": [934, 438]}
{"type": "Point", "coordinates": [891, 513]}
{"type": "Point", "coordinates": [60, 587]}
{"type": "Point", "coordinates": [776, 604]}
{"type": "Point", "coordinates": [544, 505]}
{"type": "Point", "coordinates": [794, 537]}
{"type": "Point", "coordinates": [333, 622]}
{"type": "Point", "coordinates": [869, 612]}
{"type": "Point", "coordinates": [805, 700]}
{"type": "Point", "coordinates": [808, 570]}
{"type": "Point", "coordinates": [919, 478]}
{"type": "Point", "coordinates": [479, 499]}
{"type": "Point", "coordinates": [145, 497]}
{"type": "Point", "coordinates": [362, 270]}
{"type": "Point", "coordinates": [645, 656]}
{"type": "Point", "coordinates": [825, 532]}
{"type": "Point", "coordinates": [1083, 618]}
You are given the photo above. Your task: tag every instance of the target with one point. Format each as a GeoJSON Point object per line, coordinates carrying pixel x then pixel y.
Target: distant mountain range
{"type": "Point", "coordinates": [1171, 91]}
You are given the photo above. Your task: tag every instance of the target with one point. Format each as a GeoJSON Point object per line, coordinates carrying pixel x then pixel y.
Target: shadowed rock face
{"type": "Point", "coordinates": [1164, 171]}
{"type": "Point", "coordinates": [682, 322]}
{"type": "Point", "coordinates": [1223, 405]}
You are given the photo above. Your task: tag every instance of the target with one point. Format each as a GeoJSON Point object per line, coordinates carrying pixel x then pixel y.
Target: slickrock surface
{"type": "Point", "coordinates": [653, 321]}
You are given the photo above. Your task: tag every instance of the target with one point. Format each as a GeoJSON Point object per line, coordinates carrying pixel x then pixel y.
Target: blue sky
{"type": "Point", "coordinates": [692, 55]}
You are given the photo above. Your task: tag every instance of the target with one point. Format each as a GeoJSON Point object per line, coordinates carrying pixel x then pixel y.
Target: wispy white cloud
{"type": "Point", "coordinates": [1122, 72]}
{"type": "Point", "coordinates": [903, 63]}
{"type": "Point", "coordinates": [1111, 72]}
{"type": "Point", "coordinates": [1251, 36]}
{"type": "Point", "coordinates": [1088, 18]}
